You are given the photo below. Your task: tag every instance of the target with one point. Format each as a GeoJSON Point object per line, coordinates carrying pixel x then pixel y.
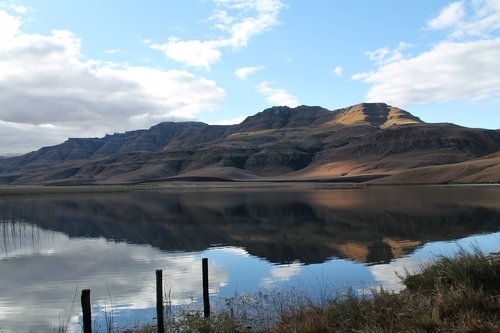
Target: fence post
{"type": "Point", "coordinates": [206, 300]}
{"type": "Point", "coordinates": [159, 301]}
{"type": "Point", "coordinates": [86, 311]}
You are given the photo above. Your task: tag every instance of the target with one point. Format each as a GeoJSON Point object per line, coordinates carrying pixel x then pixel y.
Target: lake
{"type": "Point", "coordinates": [315, 240]}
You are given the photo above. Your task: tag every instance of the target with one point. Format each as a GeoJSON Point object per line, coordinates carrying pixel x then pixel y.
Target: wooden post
{"type": "Point", "coordinates": [206, 300]}
{"type": "Point", "coordinates": [159, 301]}
{"type": "Point", "coordinates": [86, 311]}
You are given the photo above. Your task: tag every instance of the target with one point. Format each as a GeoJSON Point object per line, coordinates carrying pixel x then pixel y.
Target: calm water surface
{"type": "Point", "coordinates": [53, 246]}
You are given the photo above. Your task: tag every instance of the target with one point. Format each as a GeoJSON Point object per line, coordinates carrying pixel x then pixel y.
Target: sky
{"type": "Point", "coordinates": [90, 68]}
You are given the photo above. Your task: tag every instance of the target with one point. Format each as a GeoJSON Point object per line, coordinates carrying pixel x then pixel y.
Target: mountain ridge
{"type": "Point", "coordinates": [278, 143]}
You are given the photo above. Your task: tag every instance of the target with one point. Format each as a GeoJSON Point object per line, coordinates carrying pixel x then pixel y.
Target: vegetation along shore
{"type": "Point", "coordinates": [453, 294]}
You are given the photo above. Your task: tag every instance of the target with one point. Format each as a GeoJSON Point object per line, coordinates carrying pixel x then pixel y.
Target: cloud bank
{"type": "Point", "coordinates": [463, 66]}
{"type": "Point", "coordinates": [476, 18]}
{"type": "Point", "coordinates": [48, 90]}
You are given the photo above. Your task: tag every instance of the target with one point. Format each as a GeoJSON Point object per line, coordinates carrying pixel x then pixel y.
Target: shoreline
{"type": "Point", "coordinates": [175, 185]}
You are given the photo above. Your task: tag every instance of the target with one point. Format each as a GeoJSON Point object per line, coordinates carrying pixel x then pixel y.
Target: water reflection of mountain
{"type": "Point", "coordinates": [367, 225]}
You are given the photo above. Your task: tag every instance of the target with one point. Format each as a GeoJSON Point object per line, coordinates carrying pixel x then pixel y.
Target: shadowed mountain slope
{"type": "Point", "coordinates": [278, 143]}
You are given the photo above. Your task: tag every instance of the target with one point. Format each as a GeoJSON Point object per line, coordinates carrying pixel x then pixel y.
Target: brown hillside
{"type": "Point", "coordinates": [481, 170]}
{"type": "Point", "coordinates": [303, 143]}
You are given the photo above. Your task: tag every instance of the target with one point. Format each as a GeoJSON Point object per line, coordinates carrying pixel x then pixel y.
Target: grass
{"type": "Point", "coordinates": [453, 294]}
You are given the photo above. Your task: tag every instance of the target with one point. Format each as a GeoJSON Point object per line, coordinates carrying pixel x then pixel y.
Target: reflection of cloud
{"type": "Point", "coordinates": [386, 275]}
{"type": "Point", "coordinates": [233, 250]}
{"type": "Point", "coordinates": [281, 273]}
{"type": "Point", "coordinates": [59, 265]}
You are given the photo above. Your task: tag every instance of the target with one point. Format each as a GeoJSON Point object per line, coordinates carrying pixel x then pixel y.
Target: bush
{"type": "Point", "coordinates": [471, 270]}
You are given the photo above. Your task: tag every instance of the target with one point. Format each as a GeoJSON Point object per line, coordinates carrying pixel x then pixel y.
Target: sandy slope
{"type": "Point", "coordinates": [480, 170]}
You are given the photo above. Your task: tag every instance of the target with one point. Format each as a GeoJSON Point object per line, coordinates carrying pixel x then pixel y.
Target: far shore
{"type": "Point", "coordinates": [170, 186]}
{"type": "Point", "coordinates": [180, 185]}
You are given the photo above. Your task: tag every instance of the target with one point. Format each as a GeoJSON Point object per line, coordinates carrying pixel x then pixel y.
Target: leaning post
{"type": "Point", "coordinates": [86, 311]}
{"type": "Point", "coordinates": [206, 300]}
{"type": "Point", "coordinates": [159, 301]}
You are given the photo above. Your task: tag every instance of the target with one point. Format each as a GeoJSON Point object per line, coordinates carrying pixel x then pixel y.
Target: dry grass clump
{"type": "Point", "coordinates": [257, 312]}
{"type": "Point", "coordinates": [460, 294]}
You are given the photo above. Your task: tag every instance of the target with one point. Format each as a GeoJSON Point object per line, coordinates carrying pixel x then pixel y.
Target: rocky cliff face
{"type": "Point", "coordinates": [375, 114]}
{"type": "Point", "coordinates": [277, 143]}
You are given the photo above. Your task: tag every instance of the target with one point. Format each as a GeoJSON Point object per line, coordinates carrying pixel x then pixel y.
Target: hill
{"type": "Point", "coordinates": [481, 170]}
{"type": "Point", "coordinates": [360, 142]}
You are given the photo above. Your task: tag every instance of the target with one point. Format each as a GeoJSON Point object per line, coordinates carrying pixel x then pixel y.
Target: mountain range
{"type": "Point", "coordinates": [368, 142]}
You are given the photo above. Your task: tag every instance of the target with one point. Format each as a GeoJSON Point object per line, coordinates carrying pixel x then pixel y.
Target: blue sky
{"type": "Point", "coordinates": [87, 68]}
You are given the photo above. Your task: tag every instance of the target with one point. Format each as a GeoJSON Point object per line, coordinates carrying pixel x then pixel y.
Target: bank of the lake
{"type": "Point", "coordinates": [173, 186]}
{"type": "Point", "coordinates": [177, 185]}
{"type": "Point", "coordinates": [453, 294]}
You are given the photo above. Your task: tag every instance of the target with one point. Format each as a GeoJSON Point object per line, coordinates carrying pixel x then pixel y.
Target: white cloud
{"type": "Point", "coordinates": [378, 54]}
{"type": "Point", "coordinates": [43, 80]}
{"type": "Point", "coordinates": [193, 53]}
{"type": "Point", "coordinates": [484, 19]}
{"type": "Point", "coordinates": [337, 71]}
{"type": "Point", "coordinates": [239, 20]}
{"type": "Point", "coordinates": [448, 71]}
{"type": "Point", "coordinates": [277, 96]}
{"type": "Point", "coordinates": [385, 55]}
{"type": "Point", "coordinates": [9, 26]}
{"type": "Point", "coordinates": [19, 138]}
{"type": "Point", "coordinates": [20, 9]}
{"type": "Point", "coordinates": [232, 121]}
{"type": "Point", "coordinates": [244, 72]}
{"type": "Point", "coordinates": [453, 69]}
{"type": "Point", "coordinates": [12, 7]}
{"type": "Point", "coordinates": [450, 16]}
